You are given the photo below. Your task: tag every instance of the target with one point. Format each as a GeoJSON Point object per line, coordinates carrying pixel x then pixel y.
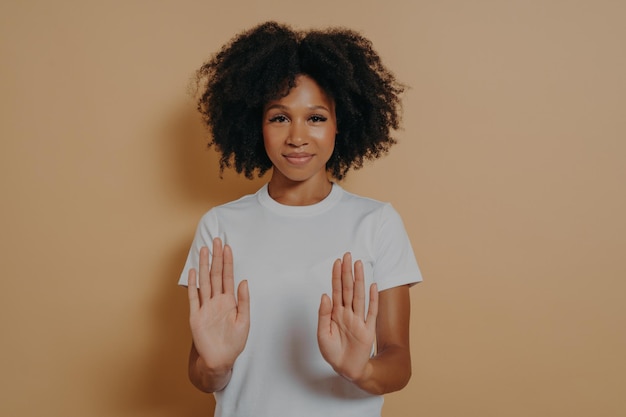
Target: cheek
{"type": "Point", "coordinates": [329, 141]}
{"type": "Point", "coordinates": [269, 140]}
{"type": "Point", "coordinates": [331, 144]}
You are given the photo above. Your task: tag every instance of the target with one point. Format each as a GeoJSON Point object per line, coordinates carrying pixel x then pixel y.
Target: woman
{"type": "Point", "coordinates": [309, 106]}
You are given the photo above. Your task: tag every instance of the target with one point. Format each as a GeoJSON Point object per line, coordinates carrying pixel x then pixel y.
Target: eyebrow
{"type": "Point", "coordinates": [283, 107]}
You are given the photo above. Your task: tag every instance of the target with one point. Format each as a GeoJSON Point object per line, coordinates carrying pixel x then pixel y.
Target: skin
{"type": "Point", "coordinates": [299, 136]}
{"type": "Point", "coordinates": [219, 324]}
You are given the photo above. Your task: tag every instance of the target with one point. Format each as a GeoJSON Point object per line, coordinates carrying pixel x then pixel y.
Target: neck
{"type": "Point", "coordinates": [298, 193]}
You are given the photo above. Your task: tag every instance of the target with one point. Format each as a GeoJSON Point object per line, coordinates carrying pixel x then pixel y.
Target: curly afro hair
{"type": "Point", "coordinates": [262, 64]}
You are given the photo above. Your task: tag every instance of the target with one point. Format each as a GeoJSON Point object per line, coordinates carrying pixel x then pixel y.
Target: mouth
{"type": "Point", "coordinates": [298, 158]}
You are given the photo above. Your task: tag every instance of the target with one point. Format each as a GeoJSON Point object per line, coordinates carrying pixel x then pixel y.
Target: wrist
{"type": "Point", "coordinates": [213, 370]}
{"type": "Point", "coordinates": [209, 379]}
{"type": "Point", "coordinates": [367, 381]}
{"type": "Point", "coordinates": [358, 378]}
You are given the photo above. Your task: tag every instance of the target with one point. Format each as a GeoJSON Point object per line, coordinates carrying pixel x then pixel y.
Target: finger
{"type": "Point", "coordinates": [192, 292]}
{"type": "Point", "coordinates": [204, 283]}
{"type": "Point", "coordinates": [243, 301]}
{"type": "Point", "coordinates": [358, 303]}
{"type": "Point", "coordinates": [347, 281]}
{"type": "Point", "coordinates": [372, 312]}
{"type": "Point", "coordinates": [324, 315]}
{"type": "Point", "coordinates": [217, 265]}
{"type": "Point", "coordinates": [228, 279]}
{"type": "Point", "coordinates": [336, 283]}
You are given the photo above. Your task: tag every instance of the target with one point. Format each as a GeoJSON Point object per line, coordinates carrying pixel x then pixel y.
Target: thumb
{"type": "Point", "coordinates": [325, 311]}
{"type": "Point", "coordinates": [243, 301]}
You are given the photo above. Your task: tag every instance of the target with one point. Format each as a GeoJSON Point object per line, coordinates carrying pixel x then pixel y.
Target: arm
{"type": "Point", "coordinates": [219, 325]}
{"type": "Point", "coordinates": [203, 377]}
{"type": "Point", "coordinates": [346, 334]}
{"type": "Point", "coordinates": [390, 369]}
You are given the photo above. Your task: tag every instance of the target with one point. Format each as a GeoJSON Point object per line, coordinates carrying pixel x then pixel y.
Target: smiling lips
{"type": "Point", "coordinates": [298, 158]}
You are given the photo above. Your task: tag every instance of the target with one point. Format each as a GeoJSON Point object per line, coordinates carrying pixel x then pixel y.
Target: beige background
{"type": "Point", "coordinates": [509, 175]}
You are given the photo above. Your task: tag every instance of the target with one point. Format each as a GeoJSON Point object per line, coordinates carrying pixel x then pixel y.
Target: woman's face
{"type": "Point", "coordinates": [299, 132]}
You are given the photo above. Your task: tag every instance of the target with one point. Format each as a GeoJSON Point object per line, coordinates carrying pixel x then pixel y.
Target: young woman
{"type": "Point", "coordinates": [299, 293]}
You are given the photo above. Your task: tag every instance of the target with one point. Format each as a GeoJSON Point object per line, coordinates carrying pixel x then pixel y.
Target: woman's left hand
{"type": "Point", "coordinates": [344, 333]}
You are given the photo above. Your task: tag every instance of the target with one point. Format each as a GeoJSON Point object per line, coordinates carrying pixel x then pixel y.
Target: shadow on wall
{"type": "Point", "coordinates": [192, 170]}
{"type": "Point", "coordinates": [163, 388]}
{"type": "Point", "coordinates": [196, 167]}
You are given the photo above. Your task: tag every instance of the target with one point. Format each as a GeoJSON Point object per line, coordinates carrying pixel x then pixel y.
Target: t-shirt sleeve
{"type": "Point", "coordinates": [206, 231]}
{"type": "Point", "coordinates": [395, 261]}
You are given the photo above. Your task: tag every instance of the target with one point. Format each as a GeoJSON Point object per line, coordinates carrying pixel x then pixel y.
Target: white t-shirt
{"type": "Point", "coordinates": [286, 254]}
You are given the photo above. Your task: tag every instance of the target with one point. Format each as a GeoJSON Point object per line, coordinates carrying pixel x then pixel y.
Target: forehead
{"type": "Point", "coordinates": [307, 92]}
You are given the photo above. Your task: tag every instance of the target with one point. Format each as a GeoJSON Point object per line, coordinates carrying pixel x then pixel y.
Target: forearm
{"type": "Point", "coordinates": [388, 371]}
{"type": "Point", "coordinates": [204, 377]}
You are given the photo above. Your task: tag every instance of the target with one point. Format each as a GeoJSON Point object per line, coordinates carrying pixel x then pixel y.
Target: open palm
{"type": "Point", "coordinates": [219, 322]}
{"type": "Point", "coordinates": [345, 335]}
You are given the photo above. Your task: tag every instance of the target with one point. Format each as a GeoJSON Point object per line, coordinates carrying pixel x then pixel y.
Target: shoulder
{"type": "Point", "coordinates": [242, 205]}
{"type": "Point", "coordinates": [359, 200]}
{"type": "Point", "coordinates": [244, 202]}
{"type": "Point", "coordinates": [379, 217]}
{"type": "Point", "coordinates": [361, 204]}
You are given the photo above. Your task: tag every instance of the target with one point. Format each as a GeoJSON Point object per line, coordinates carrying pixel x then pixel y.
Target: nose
{"type": "Point", "coordinates": [297, 134]}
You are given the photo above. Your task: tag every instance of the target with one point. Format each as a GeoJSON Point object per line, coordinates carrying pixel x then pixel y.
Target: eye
{"type": "Point", "coordinates": [316, 118]}
{"type": "Point", "coordinates": [279, 118]}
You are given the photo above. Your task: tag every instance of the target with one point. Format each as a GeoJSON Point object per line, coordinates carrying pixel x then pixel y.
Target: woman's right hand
{"type": "Point", "coordinates": [219, 322]}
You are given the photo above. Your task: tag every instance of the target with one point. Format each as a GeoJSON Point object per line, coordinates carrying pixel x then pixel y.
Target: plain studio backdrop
{"type": "Point", "coordinates": [509, 173]}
